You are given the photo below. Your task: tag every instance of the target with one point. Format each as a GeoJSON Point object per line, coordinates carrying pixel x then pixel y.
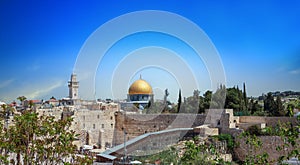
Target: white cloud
{"type": "Point", "coordinates": [44, 90]}
{"type": "Point", "coordinates": [296, 71]}
{"type": "Point", "coordinates": [32, 90]}
{"type": "Point", "coordinates": [6, 83]}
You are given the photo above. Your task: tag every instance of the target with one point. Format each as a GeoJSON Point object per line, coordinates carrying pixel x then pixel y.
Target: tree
{"type": "Point", "coordinates": [235, 99]}
{"type": "Point", "coordinates": [290, 110]}
{"type": "Point", "coordinates": [245, 96]}
{"type": "Point", "coordinates": [179, 101]}
{"type": "Point", "coordinates": [191, 104]}
{"type": "Point", "coordinates": [22, 99]}
{"type": "Point", "coordinates": [279, 111]}
{"type": "Point", "coordinates": [207, 98]}
{"type": "Point", "coordinates": [218, 98]}
{"type": "Point", "coordinates": [269, 104]}
{"type": "Point", "coordinates": [201, 108]}
{"type": "Point", "coordinates": [255, 108]}
{"type": "Point", "coordinates": [232, 99]}
{"type": "Point", "coordinates": [35, 139]}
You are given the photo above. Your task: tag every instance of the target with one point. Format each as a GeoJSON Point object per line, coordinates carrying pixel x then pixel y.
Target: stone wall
{"type": "Point", "coordinates": [269, 121]}
{"type": "Point", "coordinates": [269, 146]}
{"type": "Point", "coordinates": [273, 121]}
{"type": "Point", "coordinates": [138, 124]}
{"type": "Point", "coordinates": [96, 127]}
{"type": "Point", "coordinates": [252, 119]}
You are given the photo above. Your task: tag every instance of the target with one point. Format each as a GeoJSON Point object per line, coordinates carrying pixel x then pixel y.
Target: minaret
{"type": "Point", "coordinates": [73, 87]}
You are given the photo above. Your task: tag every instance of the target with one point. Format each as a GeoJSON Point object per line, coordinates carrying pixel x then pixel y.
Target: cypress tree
{"type": "Point", "coordinates": [279, 107]}
{"type": "Point", "coordinates": [245, 96]}
{"type": "Point", "coordinates": [179, 101]}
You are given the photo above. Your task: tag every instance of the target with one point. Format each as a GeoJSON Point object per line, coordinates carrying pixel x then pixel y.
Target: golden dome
{"type": "Point", "coordinates": [140, 87]}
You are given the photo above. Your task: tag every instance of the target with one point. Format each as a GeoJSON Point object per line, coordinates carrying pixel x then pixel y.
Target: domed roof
{"type": "Point", "coordinates": [140, 87]}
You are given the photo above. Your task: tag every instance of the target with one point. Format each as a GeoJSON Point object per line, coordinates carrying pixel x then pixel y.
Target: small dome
{"type": "Point", "coordinates": [140, 87]}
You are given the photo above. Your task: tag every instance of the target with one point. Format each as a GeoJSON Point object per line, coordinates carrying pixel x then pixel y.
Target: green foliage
{"type": "Point", "coordinates": [235, 100]}
{"type": "Point", "coordinates": [228, 138]}
{"type": "Point", "coordinates": [167, 156]}
{"type": "Point", "coordinates": [191, 104]}
{"type": "Point", "coordinates": [218, 98]}
{"type": "Point", "coordinates": [21, 98]}
{"type": "Point", "coordinates": [290, 136]}
{"type": "Point", "coordinates": [254, 130]}
{"type": "Point", "coordinates": [274, 108]}
{"type": "Point", "coordinates": [207, 98]}
{"type": "Point", "coordinates": [35, 139]}
{"type": "Point", "coordinates": [156, 107]}
{"type": "Point", "coordinates": [255, 108]}
{"type": "Point", "coordinates": [255, 144]}
{"type": "Point", "coordinates": [270, 104]}
{"type": "Point", "coordinates": [245, 96]}
{"type": "Point", "coordinates": [202, 154]}
{"type": "Point", "coordinates": [179, 101]}
{"type": "Point", "coordinates": [279, 111]}
{"type": "Point", "coordinates": [290, 110]}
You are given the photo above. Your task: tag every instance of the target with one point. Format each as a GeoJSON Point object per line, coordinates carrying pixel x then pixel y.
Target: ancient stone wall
{"type": "Point", "coordinates": [138, 124]}
{"type": "Point", "coordinates": [252, 119]}
{"type": "Point", "coordinates": [96, 127]}
{"type": "Point", "coordinates": [270, 143]}
{"type": "Point", "coordinates": [270, 121]}
{"type": "Point", "coordinates": [273, 121]}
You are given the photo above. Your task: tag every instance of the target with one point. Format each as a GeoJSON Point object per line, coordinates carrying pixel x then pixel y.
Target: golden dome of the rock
{"type": "Point", "coordinates": [140, 87]}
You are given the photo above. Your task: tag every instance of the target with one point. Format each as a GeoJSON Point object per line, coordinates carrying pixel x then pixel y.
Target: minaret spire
{"type": "Point", "coordinates": [140, 76]}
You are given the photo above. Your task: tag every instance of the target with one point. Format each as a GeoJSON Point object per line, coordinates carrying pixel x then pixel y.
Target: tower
{"type": "Point", "coordinates": [73, 87]}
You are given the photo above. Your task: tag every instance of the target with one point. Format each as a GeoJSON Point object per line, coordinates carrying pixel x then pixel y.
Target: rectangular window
{"type": "Point", "coordinates": [94, 126]}
{"type": "Point", "coordinates": [102, 125]}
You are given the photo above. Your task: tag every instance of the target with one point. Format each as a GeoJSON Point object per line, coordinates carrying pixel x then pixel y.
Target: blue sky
{"type": "Point", "coordinates": [258, 43]}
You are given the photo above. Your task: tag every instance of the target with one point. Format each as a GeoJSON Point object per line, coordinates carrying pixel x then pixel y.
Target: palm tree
{"type": "Point", "coordinates": [22, 99]}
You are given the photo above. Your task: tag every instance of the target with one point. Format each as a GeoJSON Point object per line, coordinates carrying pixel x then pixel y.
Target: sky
{"type": "Point", "coordinates": [41, 43]}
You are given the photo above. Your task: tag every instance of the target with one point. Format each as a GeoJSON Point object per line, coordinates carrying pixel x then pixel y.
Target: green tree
{"type": "Point", "coordinates": [156, 107]}
{"type": "Point", "coordinates": [255, 108]}
{"type": "Point", "coordinates": [218, 98]}
{"type": "Point", "coordinates": [179, 101]}
{"type": "Point", "coordinates": [245, 96]}
{"type": "Point", "coordinates": [191, 104]}
{"type": "Point", "coordinates": [269, 104]}
{"type": "Point", "coordinates": [235, 100]}
{"type": "Point", "coordinates": [290, 110]}
{"type": "Point", "coordinates": [22, 99]}
{"type": "Point", "coordinates": [207, 98]}
{"type": "Point", "coordinates": [38, 139]}
{"type": "Point", "coordinates": [279, 110]}
{"type": "Point", "coordinates": [201, 108]}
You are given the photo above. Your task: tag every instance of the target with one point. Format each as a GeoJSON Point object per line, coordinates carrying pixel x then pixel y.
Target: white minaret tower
{"type": "Point", "coordinates": [73, 87]}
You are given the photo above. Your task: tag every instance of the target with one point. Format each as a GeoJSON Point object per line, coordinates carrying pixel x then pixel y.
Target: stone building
{"type": "Point", "coordinates": [96, 126]}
